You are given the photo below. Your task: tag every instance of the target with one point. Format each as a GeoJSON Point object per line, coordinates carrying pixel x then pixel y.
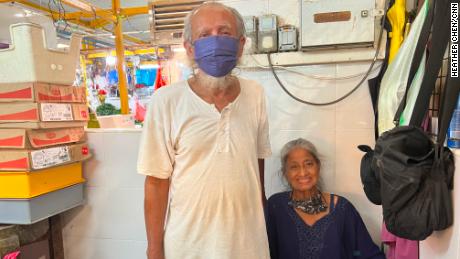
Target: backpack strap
{"type": "Point", "coordinates": [439, 40]}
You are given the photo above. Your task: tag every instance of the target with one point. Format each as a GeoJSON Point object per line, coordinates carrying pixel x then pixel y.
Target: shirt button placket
{"type": "Point", "coordinates": [226, 129]}
{"type": "Point", "coordinates": [221, 133]}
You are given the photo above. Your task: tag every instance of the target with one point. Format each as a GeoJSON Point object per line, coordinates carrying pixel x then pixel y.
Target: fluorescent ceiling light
{"type": "Point", "coordinates": [26, 13]}
{"type": "Point", "coordinates": [110, 60]}
{"type": "Point", "coordinates": [83, 5]}
{"type": "Point", "coordinates": [62, 46]}
{"type": "Point", "coordinates": [148, 66]}
{"type": "Point", "coordinates": [178, 49]}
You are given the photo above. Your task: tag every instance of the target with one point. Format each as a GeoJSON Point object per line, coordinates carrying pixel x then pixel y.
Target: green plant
{"type": "Point", "coordinates": [107, 109]}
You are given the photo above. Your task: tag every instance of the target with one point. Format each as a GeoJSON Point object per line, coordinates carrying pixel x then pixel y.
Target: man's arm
{"type": "Point", "coordinates": [155, 204]}
{"type": "Point", "coordinates": [262, 179]}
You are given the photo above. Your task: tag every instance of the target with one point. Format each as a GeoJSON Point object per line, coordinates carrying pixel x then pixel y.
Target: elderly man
{"type": "Point", "coordinates": [200, 148]}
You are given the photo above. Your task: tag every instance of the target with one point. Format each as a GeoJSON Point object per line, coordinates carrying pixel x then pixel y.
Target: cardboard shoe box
{"type": "Point", "coordinates": [41, 92]}
{"type": "Point", "coordinates": [30, 160]}
{"type": "Point", "coordinates": [26, 139]}
{"type": "Point", "coordinates": [44, 112]}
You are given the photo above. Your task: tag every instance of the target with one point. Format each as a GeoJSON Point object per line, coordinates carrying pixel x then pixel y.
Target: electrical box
{"type": "Point", "coordinates": [268, 33]}
{"type": "Point", "coordinates": [250, 24]}
{"type": "Point", "coordinates": [337, 23]}
{"type": "Point", "coordinates": [287, 38]}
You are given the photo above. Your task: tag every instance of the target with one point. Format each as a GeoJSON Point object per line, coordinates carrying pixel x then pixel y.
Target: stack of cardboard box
{"type": "Point", "coordinates": [41, 125]}
{"type": "Point", "coordinates": [42, 137]}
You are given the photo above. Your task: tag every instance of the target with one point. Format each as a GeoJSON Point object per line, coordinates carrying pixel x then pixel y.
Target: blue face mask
{"type": "Point", "coordinates": [216, 55]}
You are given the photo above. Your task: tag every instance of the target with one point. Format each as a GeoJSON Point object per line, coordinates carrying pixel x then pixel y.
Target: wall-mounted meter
{"type": "Point", "coordinates": [287, 38]}
{"type": "Point", "coordinates": [250, 24]}
{"type": "Point", "coordinates": [335, 23]}
{"type": "Point", "coordinates": [268, 34]}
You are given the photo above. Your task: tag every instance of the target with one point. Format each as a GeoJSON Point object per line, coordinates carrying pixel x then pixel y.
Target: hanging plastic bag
{"type": "Point", "coordinates": [140, 111]}
{"type": "Point", "coordinates": [412, 94]}
{"type": "Point", "coordinates": [394, 81]}
{"type": "Point", "coordinates": [13, 255]}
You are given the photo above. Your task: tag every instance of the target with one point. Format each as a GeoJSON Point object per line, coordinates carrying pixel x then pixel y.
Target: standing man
{"type": "Point", "coordinates": [200, 148]}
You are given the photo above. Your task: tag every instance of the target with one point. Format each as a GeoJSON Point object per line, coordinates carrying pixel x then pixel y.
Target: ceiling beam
{"type": "Point", "coordinates": [124, 12]}
{"type": "Point", "coordinates": [30, 4]}
{"type": "Point", "coordinates": [105, 14]}
{"type": "Point", "coordinates": [132, 11]}
{"type": "Point", "coordinates": [102, 15]}
{"type": "Point", "coordinates": [98, 23]}
{"type": "Point", "coordinates": [91, 9]}
{"type": "Point", "coordinates": [52, 14]}
{"type": "Point", "coordinates": [66, 34]}
{"type": "Point", "coordinates": [134, 39]}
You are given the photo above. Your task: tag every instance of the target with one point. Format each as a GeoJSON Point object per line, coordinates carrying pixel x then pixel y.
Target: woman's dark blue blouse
{"type": "Point", "coordinates": [341, 234]}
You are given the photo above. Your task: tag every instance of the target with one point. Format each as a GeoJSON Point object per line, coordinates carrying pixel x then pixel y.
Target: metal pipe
{"type": "Point", "coordinates": [122, 85]}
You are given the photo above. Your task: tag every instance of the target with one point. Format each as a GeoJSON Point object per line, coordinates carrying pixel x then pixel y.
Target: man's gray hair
{"type": "Point", "coordinates": [241, 31]}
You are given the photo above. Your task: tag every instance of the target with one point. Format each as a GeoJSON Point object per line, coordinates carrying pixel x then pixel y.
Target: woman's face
{"type": "Point", "coordinates": [302, 170]}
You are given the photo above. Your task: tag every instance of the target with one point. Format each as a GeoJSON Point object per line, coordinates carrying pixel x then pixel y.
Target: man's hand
{"type": "Point", "coordinates": [262, 184]}
{"type": "Point", "coordinates": [154, 253]}
{"type": "Point", "coordinates": [155, 204]}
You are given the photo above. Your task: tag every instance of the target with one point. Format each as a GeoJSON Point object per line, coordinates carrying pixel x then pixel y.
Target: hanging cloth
{"type": "Point", "coordinates": [159, 81]}
{"type": "Point", "coordinates": [399, 248]}
{"type": "Point", "coordinates": [417, 71]}
{"type": "Point", "coordinates": [412, 93]}
{"type": "Point", "coordinates": [374, 83]}
{"type": "Point", "coordinates": [394, 82]}
{"type": "Point", "coordinates": [397, 17]}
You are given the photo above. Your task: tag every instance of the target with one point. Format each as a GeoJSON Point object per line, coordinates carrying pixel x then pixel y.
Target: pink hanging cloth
{"type": "Point", "coordinates": [399, 248]}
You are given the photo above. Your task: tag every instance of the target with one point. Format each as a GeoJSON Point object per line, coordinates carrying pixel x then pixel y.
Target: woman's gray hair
{"type": "Point", "coordinates": [298, 143]}
{"type": "Point", "coordinates": [241, 31]}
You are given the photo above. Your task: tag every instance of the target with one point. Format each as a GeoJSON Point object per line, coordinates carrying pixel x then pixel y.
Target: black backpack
{"type": "Point", "coordinates": [416, 178]}
{"type": "Point", "coordinates": [369, 179]}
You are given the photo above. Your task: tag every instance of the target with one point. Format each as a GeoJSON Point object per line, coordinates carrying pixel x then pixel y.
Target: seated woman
{"type": "Point", "coordinates": [307, 223]}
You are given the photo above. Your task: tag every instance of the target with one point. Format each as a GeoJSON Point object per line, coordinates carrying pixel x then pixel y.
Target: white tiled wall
{"type": "Point", "coordinates": [111, 224]}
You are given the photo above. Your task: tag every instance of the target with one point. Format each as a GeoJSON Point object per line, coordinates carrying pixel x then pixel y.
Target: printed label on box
{"type": "Point", "coordinates": [56, 112]}
{"type": "Point", "coordinates": [50, 157]}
